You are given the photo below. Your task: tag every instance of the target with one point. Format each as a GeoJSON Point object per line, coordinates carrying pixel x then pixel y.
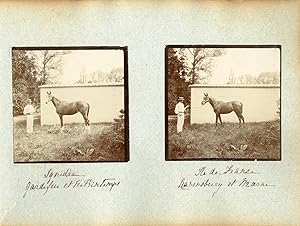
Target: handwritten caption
{"type": "Point", "coordinates": [68, 180]}
{"type": "Point", "coordinates": [229, 177]}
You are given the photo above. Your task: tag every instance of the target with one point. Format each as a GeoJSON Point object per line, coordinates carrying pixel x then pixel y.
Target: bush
{"type": "Point", "coordinates": [114, 137]}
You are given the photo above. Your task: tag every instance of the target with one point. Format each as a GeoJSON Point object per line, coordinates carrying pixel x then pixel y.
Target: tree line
{"type": "Point", "coordinates": [187, 66]}
{"type": "Point", "coordinates": [30, 69]}
{"type": "Point", "coordinates": [115, 75]}
{"type": "Point", "coordinates": [248, 79]}
{"type": "Point", "coordinates": [33, 68]}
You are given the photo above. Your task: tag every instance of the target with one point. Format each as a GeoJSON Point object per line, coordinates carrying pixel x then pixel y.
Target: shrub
{"type": "Point", "coordinates": [113, 139]}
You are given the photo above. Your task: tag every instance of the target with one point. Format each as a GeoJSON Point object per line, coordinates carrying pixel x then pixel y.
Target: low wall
{"type": "Point", "coordinates": [105, 102]}
{"type": "Point", "coordinates": [259, 102]}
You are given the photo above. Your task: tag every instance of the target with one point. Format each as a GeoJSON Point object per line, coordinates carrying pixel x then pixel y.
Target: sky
{"type": "Point", "coordinates": [89, 61]}
{"type": "Point", "coordinates": [245, 61]}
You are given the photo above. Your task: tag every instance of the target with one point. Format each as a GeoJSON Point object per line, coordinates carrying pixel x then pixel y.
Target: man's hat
{"type": "Point", "coordinates": [180, 98]}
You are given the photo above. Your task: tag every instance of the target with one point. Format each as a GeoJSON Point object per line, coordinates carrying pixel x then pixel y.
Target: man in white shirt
{"type": "Point", "coordinates": [179, 111]}
{"type": "Point", "coordinates": [28, 111]}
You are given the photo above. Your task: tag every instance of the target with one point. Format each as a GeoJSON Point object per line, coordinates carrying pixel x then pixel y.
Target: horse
{"type": "Point", "coordinates": [66, 108]}
{"type": "Point", "coordinates": [220, 107]}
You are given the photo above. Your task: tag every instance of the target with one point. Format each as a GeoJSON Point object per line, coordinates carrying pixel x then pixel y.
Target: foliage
{"type": "Point", "coordinates": [187, 66]}
{"type": "Point", "coordinates": [250, 141]}
{"type": "Point", "coordinates": [25, 80]}
{"type": "Point", "coordinates": [177, 84]}
{"type": "Point", "coordinates": [115, 136]}
{"type": "Point", "coordinates": [115, 75]}
{"type": "Point", "coordinates": [262, 78]}
{"type": "Point", "coordinates": [48, 64]}
{"type": "Point", "coordinates": [31, 69]}
{"type": "Point", "coordinates": [278, 107]}
{"type": "Point", "coordinates": [268, 78]}
{"type": "Point", "coordinates": [199, 62]}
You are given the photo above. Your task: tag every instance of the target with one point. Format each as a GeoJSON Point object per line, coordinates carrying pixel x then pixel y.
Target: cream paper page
{"type": "Point", "coordinates": [149, 192]}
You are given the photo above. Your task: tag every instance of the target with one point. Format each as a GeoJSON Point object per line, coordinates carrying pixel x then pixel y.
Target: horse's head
{"type": "Point", "coordinates": [49, 97]}
{"type": "Point", "coordinates": [205, 99]}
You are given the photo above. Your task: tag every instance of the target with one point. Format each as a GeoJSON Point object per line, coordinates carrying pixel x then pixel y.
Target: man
{"type": "Point", "coordinates": [28, 111]}
{"type": "Point", "coordinates": [179, 111]}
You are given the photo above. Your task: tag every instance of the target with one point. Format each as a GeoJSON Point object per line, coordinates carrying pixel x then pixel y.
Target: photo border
{"type": "Point", "coordinates": [219, 46]}
{"type": "Point", "coordinates": [126, 98]}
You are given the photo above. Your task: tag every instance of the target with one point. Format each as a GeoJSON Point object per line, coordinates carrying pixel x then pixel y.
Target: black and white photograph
{"type": "Point", "coordinates": [70, 104]}
{"type": "Point", "coordinates": [223, 102]}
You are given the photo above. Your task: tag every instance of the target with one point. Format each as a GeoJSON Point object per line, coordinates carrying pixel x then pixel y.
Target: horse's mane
{"type": "Point", "coordinates": [212, 98]}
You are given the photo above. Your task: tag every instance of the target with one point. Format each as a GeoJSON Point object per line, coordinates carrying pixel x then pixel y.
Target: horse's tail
{"type": "Point", "coordinates": [88, 110]}
{"type": "Point", "coordinates": [241, 107]}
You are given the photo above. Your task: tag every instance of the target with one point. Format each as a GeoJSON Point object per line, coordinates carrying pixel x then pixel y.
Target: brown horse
{"type": "Point", "coordinates": [65, 108]}
{"type": "Point", "coordinates": [224, 108]}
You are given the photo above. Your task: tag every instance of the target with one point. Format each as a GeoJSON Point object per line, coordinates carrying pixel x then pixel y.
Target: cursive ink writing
{"type": "Point", "coordinates": [228, 177]}
{"type": "Point", "coordinates": [68, 179]}
{"type": "Point", "coordinates": [50, 184]}
{"type": "Point", "coordinates": [203, 171]}
{"type": "Point", "coordinates": [247, 183]}
{"type": "Point", "coordinates": [63, 173]}
{"type": "Point", "coordinates": [188, 184]}
{"type": "Point", "coordinates": [90, 183]}
{"type": "Point", "coordinates": [235, 170]}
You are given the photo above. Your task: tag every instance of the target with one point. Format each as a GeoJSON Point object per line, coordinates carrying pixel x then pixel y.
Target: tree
{"type": "Point", "coordinates": [83, 75]}
{"type": "Point", "coordinates": [199, 62]}
{"type": "Point", "coordinates": [115, 75]}
{"type": "Point", "coordinates": [177, 84]}
{"type": "Point", "coordinates": [231, 77]}
{"type": "Point", "coordinates": [262, 78]}
{"type": "Point", "coordinates": [49, 64]}
{"type": "Point", "coordinates": [188, 66]}
{"type": "Point", "coordinates": [268, 78]}
{"type": "Point", "coordinates": [25, 80]}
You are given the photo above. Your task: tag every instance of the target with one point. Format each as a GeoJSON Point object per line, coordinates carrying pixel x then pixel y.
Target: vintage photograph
{"type": "Point", "coordinates": [223, 102]}
{"type": "Point", "coordinates": [70, 104]}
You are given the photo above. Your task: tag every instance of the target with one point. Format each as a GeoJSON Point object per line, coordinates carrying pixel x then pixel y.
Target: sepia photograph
{"type": "Point", "coordinates": [223, 102]}
{"type": "Point", "coordinates": [70, 104]}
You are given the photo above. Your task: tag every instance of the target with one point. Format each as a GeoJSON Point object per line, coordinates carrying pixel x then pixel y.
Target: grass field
{"type": "Point", "coordinates": [205, 141]}
{"type": "Point", "coordinates": [75, 144]}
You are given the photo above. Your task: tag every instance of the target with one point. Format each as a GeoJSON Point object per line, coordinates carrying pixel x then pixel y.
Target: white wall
{"type": "Point", "coordinates": [259, 102]}
{"type": "Point", "coordinates": [105, 102]}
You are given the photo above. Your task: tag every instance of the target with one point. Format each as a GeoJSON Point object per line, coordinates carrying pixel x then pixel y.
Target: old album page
{"type": "Point", "coordinates": [149, 112]}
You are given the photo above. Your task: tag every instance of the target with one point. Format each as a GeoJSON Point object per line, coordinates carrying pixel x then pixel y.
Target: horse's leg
{"type": "Point", "coordinates": [87, 117]}
{"type": "Point", "coordinates": [84, 118]}
{"type": "Point", "coordinates": [220, 119]}
{"type": "Point", "coordinates": [61, 123]}
{"type": "Point", "coordinates": [217, 119]}
{"type": "Point", "coordinates": [241, 118]}
{"type": "Point", "coordinates": [86, 121]}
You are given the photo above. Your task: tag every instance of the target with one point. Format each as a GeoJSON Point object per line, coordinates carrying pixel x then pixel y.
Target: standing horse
{"type": "Point", "coordinates": [224, 108]}
{"type": "Point", "coordinates": [65, 108]}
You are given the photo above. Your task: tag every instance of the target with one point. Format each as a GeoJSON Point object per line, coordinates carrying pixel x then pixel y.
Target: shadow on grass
{"type": "Point", "coordinates": [251, 141]}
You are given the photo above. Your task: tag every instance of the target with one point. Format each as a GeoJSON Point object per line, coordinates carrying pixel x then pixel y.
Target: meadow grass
{"type": "Point", "coordinates": [257, 140]}
{"type": "Point", "coordinates": [46, 143]}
